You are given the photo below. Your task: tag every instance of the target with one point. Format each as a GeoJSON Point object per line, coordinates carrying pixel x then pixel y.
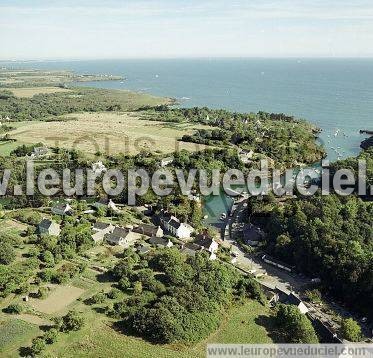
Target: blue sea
{"type": "Point", "coordinates": [335, 94]}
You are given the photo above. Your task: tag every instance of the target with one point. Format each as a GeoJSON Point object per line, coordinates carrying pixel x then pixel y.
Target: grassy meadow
{"type": "Point", "coordinates": [28, 92]}
{"type": "Point", "coordinates": [98, 338]}
{"type": "Point", "coordinates": [107, 132]}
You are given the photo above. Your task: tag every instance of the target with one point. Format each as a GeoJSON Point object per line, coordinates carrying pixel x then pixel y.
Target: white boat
{"type": "Point", "coordinates": [223, 216]}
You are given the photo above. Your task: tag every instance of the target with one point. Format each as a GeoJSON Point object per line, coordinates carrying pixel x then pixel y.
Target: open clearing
{"type": "Point", "coordinates": [31, 91]}
{"type": "Point", "coordinates": [57, 300]}
{"type": "Point", "coordinates": [30, 318]}
{"type": "Point", "coordinates": [12, 226]}
{"type": "Point", "coordinates": [109, 133]}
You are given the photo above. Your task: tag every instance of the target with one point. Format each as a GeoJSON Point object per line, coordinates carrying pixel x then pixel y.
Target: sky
{"type": "Point", "coordinates": [83, 29]}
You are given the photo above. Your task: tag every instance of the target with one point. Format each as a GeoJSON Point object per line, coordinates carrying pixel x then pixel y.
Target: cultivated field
{"type": "Point", "coordinates": [31, 91]}
{"type": "Point", "coordinates": [109, 133]}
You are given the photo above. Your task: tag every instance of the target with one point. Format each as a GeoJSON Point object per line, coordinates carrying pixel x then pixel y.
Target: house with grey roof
{"type": "Point", "coordinates": [62, 209]}
{"type": "Point", "coordinates": [118, 236]}
{"type": "Point", "coordinates": [101, 226]}
{"type": "Point", "coordinates": [160, 242]}
{"type": "Point", "coordinates": [173, 225]}
{"type": "Point", "coordinates": [48, 227]}
{"type": "Point", "coordinates": [190, 249]}
{"type": "Point", "coordinates": [293, 299]}
{"type": "Point", "coordinates": [206, 242]}
{"type": "Point", "coordinates": [100, 229]}
{"type": "Point", "coordinates": [149, 230]}
{"type": "Point", "coordinates": [143, 249]}
{"type": "Point", "coordinates": [39, 152]}
{"type": "Point", "coordinates": [252, 235]}
{"type": "Point", "coordinates": [105, 203]}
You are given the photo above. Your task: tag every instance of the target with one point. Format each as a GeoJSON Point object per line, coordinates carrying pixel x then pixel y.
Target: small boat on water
{"type": "Point", "coordinates": [223, 216]}
{"type": "Point", "coordinates": [206, 217]}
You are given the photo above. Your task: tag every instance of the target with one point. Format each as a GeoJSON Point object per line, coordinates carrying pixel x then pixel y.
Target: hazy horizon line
{"type": "Point", "coordinates": [183, 58]}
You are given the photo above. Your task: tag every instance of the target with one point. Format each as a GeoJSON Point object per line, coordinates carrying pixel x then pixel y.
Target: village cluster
{"type": "Point", "coordinates": [167, 231]}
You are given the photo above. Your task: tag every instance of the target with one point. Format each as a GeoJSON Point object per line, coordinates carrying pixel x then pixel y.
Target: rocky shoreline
{"type": "Point", "coordinates": [367, 143]}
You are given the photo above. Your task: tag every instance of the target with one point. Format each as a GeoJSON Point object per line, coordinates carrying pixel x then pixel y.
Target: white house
{"type": "Point", "coordinates": [118, 236]}
{"type": "Point", "coordinates": [245, 156]}
{"type": "Point", "coordinates": [160, 242]}
{"type": "Point", "coordinates": [39, 152]}
{"type": "Point", "coordinates": [98, 168]}
{"type": "Point", "coordinates": [62, 209]}
{"type": "Point", "coordinates": [48, 227]}
{"type": "Point", "coordinates": [175, 227]}
{"type": "Point", "coordinates": [98, 236]}
{"type": "Point", "coordinates": [191, 248]}
{"type": "Point", "coordinates": [166, 161]}
{"type": "Point", "coordinates": [206, 243]}
{"type": "Point", "coordinates": [101, 229]}
{"type": "Point", "coordinates": [293, 299]}
{"type": "Point", "coordinates": [106, 203]}
{"type": "Point", "coordinates": [149, 230]}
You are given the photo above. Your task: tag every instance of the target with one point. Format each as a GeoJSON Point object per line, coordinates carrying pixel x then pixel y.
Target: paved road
{"type": "Point", "coordinates": [267, 273]}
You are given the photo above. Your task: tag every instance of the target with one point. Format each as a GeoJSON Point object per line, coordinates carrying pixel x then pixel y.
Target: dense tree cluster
{"type": "Point", "coordinates": [330, 237]}
{"type": "Point", "coordinates": [351, 330]}
{"type": "Point", "coordinates": [352, 164]}
{"type": "Point", "coordinates": [23, 150]}
{"type": "Point", "coordinates": [293, 326]}
{"type": "Point", "coordinates": [14, 276]}
{"type": "Point", "coordinates": [283, 138]}
{"type": "Point", "coordinates": [72, 321]}
{"type": "Point", "coordinates": [7, 253]}
{"type": "Point", "coordinates": [177, 298]}
{"type": "Point", "coordinates": [42, 106]}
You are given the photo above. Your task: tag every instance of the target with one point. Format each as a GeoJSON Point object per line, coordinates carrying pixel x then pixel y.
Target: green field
{"type": "Point", "coordinates": [7, 146]}
{"type": "Point", "coordinates": [99, 339]}
{"type": "Point", "coordinates": [14, 334]}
